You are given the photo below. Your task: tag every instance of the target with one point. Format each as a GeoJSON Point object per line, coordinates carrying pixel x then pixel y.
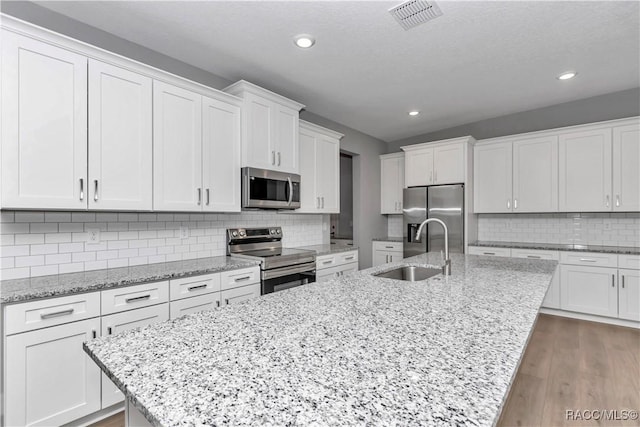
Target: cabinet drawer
{"type": "Point", "coordinates": [236, 295]}
{"type": "Point", "coordinates": [49, 312]}
{"type": "Point", "coordinates": [194, 304]}
{"type": "Point", "coordinates": [347, 257]}
{"type": "Point", "coordinates": [235, 278]}
{"type": "Point", "coordinates": [589, 258]}
{"type": "Point", "coordinates": [629, 261]}
{"type": "Point", "coordinates": [123, 299]}
{"type": "Point", "coordinates": [193, 286]}
{"type": "Point", "coordinates": [535, 254]}
{"type": "Point", "coordinates": [388, 246]}
{"type": "Point", "coordinates": [132, 319]}
{"type": "Point", "coordinates": [489, 251]}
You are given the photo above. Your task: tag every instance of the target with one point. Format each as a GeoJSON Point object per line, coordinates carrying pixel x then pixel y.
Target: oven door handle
{"type": "Point", "coordinates": [290, 191]}
{"type": "Point", "coordinates": [286, 271]}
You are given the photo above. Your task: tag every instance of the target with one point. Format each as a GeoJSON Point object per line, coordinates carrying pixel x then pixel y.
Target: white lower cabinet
{"type": "Point", "coordinates": [121, 322]}
{"type": "Point", "coordinates": [489, 251]}
{"type": "Point", "coordinates": [590, 290]}
{"type": "Point", "coordinates": [194, 305]}
{"type": "Point", "coordinates": [243, 293]}
{"type": "Point", "coordinates": [629, 294]}
{"type": "Point", "coordinates": [386, 252]}
{"type": "Point", "coordinates": [49, 379]}
{"type": "Point", "coordinates": [335, 265]}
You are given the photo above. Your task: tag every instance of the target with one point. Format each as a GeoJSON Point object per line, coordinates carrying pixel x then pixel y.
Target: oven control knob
{"type": "Point", "coordinates": [273, 231]}
{"type": "Point", "coordinates": [278, 231]}
{"type": "Point", "coordinates": [242, 233]}
{"type": "Point", "coordinates": [234, 233]}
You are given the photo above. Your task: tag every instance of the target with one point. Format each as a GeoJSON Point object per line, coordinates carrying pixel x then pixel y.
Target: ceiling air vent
{"type": "Point", "coordinates": [415, 12]}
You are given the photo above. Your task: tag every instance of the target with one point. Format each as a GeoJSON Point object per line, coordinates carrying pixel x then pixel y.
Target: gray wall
{"type": "Point", "coordinates": [616, 105]}
{"type": "Point", "coordinates": [367, 220]}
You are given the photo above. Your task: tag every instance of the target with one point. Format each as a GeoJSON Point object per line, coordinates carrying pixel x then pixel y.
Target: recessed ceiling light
{"type": "Point", "coordinates": [567, 75]}
{"type": "Point", "coordinates": [304, 41]}
{"type": "Point", "coordinates": [414, 113]}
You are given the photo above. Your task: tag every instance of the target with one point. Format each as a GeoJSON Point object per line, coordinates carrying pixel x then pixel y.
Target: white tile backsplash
{"type": "Point", "coordinates": [394, 225]}
{"type": "Point", "coordinates": [43, 243]}
{"type": "Point", "coordinates": [608, 229]}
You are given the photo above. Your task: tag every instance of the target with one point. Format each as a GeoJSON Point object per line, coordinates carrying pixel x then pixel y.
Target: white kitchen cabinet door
{"type": "Point", "coordinates": [259, 149]}
{"type": "Point", "coordinates": [309, 200]}
{"type": "Point", "coordinates": [237, 295]}
{"type": "Point", "coordinates": [380, 258]}
{"type": "Point", "coordinates": [52, 381]}
{"type": "Point", "coordinates": [535, 175]}
{"type": "Point", "coordinates": [418, 166]}
{"type": "Point", "coordinates": [44, 125]}
{"type": "Point", "coordinates": [585, 171]}
{"type": "Point", "coordinates": [448, 164]}
{"type": "Point", "coordinates": [286, 139]}
{"type": "Point", "coordinates": [120, 139]}
{"type": "Point", "coordinates": [120, 322]}
{"type": "Point", "coordinates": [492, 178]}
{"type": "Point", "coordinates": [626, 168]}
{"type": "Point", "coordinates": [629, 295]}
{"type": "Point", "coordinates": [177, 149]}
{"type": "Point", "coordinates": [392, 183]}
{"type": "Point", "coordinates": [591, 290]}
{"type": "Point", "coordinates": [220, 156]}
{"type": "Point", "coordinates": [552, 297]}
{"type": "Point", "coordinates": [194, 305]}
{"type": "Point", "coordinates": [328, 173]}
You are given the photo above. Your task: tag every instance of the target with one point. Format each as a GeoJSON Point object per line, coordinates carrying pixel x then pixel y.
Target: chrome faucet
{"type": "Point", "coordinates": [446, 268]}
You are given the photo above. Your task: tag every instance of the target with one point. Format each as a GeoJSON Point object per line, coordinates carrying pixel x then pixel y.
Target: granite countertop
{"type": "Point", "coordinates": [328, 249]}
{"type": "Point", "coordinates": [354, 350]}
{"type": "Point", "coordinates": [623, 250]}
{"type": "Point", "coordinates": [388, 239]}
{"type": "Point", "coordinates": [20, 290]}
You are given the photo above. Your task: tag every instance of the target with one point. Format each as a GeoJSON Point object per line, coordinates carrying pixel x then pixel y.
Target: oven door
{"type": "Point", "coordinates": [270, 189]}
{"type": "Point", "coordinates": [279, 279]}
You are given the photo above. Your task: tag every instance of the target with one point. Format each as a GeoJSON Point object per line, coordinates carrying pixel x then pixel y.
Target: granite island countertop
{"type": "Point", "coordinates": [354, 350]}
{"type": "Point", "coordinates": [388, 239]}
{"type": "Point", "coordinates": [622, 250]}
{"type": "Point", "coordinates": [21, 290]}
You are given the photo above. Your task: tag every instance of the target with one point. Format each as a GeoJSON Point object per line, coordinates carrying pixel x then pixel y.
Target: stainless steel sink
{"type": "Point", "coordinates": [410, 273]}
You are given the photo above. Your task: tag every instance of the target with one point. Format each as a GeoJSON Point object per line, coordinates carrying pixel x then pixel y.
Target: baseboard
{"type": "Point", "coordinates": [97, 416]}
{"type": "Point", "coordinates": [591, 318]}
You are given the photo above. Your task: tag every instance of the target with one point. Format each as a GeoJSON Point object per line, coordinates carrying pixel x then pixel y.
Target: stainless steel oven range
{"type": "Point", "coordinates": [280, 268]}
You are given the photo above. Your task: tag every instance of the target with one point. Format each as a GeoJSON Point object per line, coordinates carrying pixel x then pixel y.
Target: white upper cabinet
{"type": "Point", "coordinates": [269, 128]}
{"type": "Point", "coordinates": [120, 139]}
{"type": "Point", "coordinates": [44, 125]}
{"type": "Point", "coordinates": [626, 168]}
{"type": "Point", "coordinates": [535, 175]}
{"type": "Point", "coordinates": [221, 155]}
{"type": "Point", "coordinates": [391, 183]}
{"type": "Point", "coordinates": [319, 169]}
{"type": "Point", "coordinates": [585, 171]}
{"type": "Point", "coordinates": [436, 163]}
{"type": "Point", "coordinates": [493, 177]}
{"type": "Point", "coordinates": [177, 148]}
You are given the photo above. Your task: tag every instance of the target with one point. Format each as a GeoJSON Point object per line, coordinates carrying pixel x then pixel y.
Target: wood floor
{"type": "Point", "coordinates": [568, 365]}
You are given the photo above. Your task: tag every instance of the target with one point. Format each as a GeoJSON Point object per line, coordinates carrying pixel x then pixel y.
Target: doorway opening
{"type": "Point", "coordinates": [342, 223]}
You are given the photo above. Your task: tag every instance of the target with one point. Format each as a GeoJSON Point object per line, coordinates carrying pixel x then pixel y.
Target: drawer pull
{"type": "Point", "coordinates": [193, 288]}
{"type": "Point", "coordinates": [140, 298]}
{"type": "Point", "coordinates": [93, 334]}
{"type": "Point", "coordinates": [588, 260]}
{"type": "Point", "coordinates": [388, 247]}
{"type": "Point", "coordinates": [56, 314]}
{"type": "Point", "coordinates": [623, 281]}
{"type": "Point", "coordinates": [349, 258]}
{"type": "Point", "coordinates": [327, 262]}
{"type": "Point", "coordinates": [613, 280]}
{"type": "Point", "coordinates": [109, 330]}
{"type": "Point", "coordinates": [226, 301]}
{"type": "Point", "coordinates": [533, 256]}
{"type": "Point", "coordinates": [242, 279]}
{"type": "Point", "coordinates": [217, 303]}
{"type": "Point", "coordinates": [488, 253]}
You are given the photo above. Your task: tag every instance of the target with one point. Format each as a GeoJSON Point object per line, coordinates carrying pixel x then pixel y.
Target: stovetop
{"type": "Point", "coordinates": [277, 252]}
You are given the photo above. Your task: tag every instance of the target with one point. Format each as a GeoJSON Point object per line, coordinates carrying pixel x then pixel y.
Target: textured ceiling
{"type": "Point", "coordinates": [479, 60]}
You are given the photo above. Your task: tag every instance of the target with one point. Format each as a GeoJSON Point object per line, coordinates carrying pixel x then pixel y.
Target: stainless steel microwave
{"type": "Point", "coordinates": [267, 189]}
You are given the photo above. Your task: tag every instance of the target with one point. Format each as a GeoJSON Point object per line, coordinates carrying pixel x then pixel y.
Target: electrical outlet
{"type": "Point", "coordinates": [607, 226]}
{"type": "Point", "coordinates": [93, 236]}
{"type": "Point", "coordinates": [184, 232]}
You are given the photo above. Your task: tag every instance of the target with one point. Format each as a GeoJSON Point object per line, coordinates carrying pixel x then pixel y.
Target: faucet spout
{"type": "Point", "coordinates": [446, 268]}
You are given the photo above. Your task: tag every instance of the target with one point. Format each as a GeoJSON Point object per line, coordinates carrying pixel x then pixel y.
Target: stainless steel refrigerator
{"type": "Point", "coordinates": [445, 202]}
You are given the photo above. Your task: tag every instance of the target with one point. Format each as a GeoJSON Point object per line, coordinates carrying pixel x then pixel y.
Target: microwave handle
{"type": "Point", "coordinates": [290, 190]}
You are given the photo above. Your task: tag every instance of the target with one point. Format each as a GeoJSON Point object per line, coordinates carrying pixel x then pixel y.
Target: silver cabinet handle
{"type": "Point", "coordinates": [279, 158]}
{"type": "Point", "coordinates": [194, 288]}
{"type": "Point", "coordinates": [95, 190]}
{"type": "Point", "coordinates": [242, 279]}
{"type": "Point", "coordinates": [533, 256]}
{"type": "Point", "coordinates": [322, 202]}
{"type": "Point", "coordinates": [613, 280]}
{"type": "Point", "coordinates": [208, 198]}
{"type": "Point", "coordinates": [140, 298]}
{"type": "Point", "coordinates": [226, 301]}
{"type": "Point", "coordinates": [217, 303]}
{"type": "Point", "coordinates": [488, 253]}
{"type": "Point", "coordinates": [56, 314]}
{"type": "Point", "coordinates": [94, 334]}
{"type": "Point", "coordinates": [607, 201]}
{"type": "Point", "coordinates": [318, 202]}
{"type": "Point", "coordinates": [508, 203]}
{"type": "Point", "coordinates": [273, 157]}
{"type": "Point", "coordinates": [199, 196]}
{"type": "Point", "coordinates": [515, 203]}
{"type": "Point", "coordinates": [349, 258]}
{"type": "Point", "coordinates": [588, 260]}
{"type": "Point", "coordinates": [327, 262]}
{"type": "Point", "coordinates": [617, 200]}
{"type": "Point", "coordinates": [388, 247]}
{"type": "Point", "coordinates": [109, 330]}
{"type": "Point", "coordinates": [81, 188]}
{"type": "Point", "coordinates": [623, 281]}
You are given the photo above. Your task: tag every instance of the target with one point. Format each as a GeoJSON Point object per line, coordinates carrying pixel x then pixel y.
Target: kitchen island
{"type": "Point", "coordinates": [356, 350]}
